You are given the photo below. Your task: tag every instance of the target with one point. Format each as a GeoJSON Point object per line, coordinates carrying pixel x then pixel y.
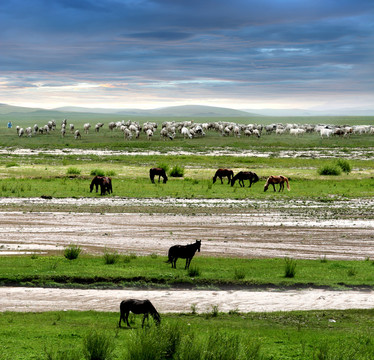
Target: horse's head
{"type": "Point", "coordinates": [266, 187]}
{"type": "Point", "coordinates": [198, 244]}
{"type": "Point", "coordinates": [214, 179]}
{"type": "Point", "coordinates": [165, 178]}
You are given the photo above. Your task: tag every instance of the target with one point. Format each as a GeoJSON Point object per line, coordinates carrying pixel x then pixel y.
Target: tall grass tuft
{"type": "Point", "coordinates": [97, 172]}
{"type": "Point", "coordinates": [194, 272]}
{"type": "Point", "coordinates": [329, 169]}
{"type": "Point", "coordinates": [111, 258]}
{"type": "Point", "coordinates": [72, 252]}
{"type": "Point", "coordinates": [239, 274]}
{"type": "Point", "coordinates": [177, 171]}
{"type": "Point", "coordinates": [73, 171]}
{"type": "Point", "coordinates": [344, 165]}
{"type": "Point", "coordinates": [97, 346]}
{"type": "Point", "coordinates": [289, 267]}
{"type": "Point", "coordinates": [154, 342]}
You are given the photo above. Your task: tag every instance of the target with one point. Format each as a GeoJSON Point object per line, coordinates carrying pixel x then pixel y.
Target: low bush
{"type": "Point", "coordinates": [72, 252]}
{"type": "Point", "coordinates": [97, 172]}
{"type": "Point", "coordinates": [344, 165]}
{"type": "Point", "coordinates": [329, 170]}
{"type": "Point", "coordinates": [289, 268]}
{"type": "Point", "coordinates": [111, 258]}
{"type": "Point", "coordinates": [73, 171]}
{"type": "Point", "coordinates": [177, 171]}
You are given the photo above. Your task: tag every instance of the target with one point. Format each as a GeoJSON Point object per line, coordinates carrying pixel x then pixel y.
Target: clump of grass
{"type": "Point", "coordinates": [352, 272]}
{"type": "Point", "coordinates": [129, 257]}
{"type": "Point", "coordinates": [177, 171]}
{"type": "Point", "coordinates": [98, 346]}
{"type": "Point", "coordinates": [72, 252]}
{"type": "Point", "coordinates": [344, 165]}
{"type": "Point", "coordinates": [111, 258]}
{"type": "Point", "coordinates": [329, 169]}
{"type": "Point", "coordinates": [239, 274]}
{"type": "Point", "coordinates": [111, 173]}
{"type": "Point", "coordinates": [97, 172]}
{"type": "Point", "coordinates": [194, 272]}
{"type": "Point", "coordinates": [73, 171]}
{"type": "Point", "coordinates": [11, 164]}
{"type": "Point", "coordinates": [323, 259]}
{"type": "Point", "coordinates": [289, 267]}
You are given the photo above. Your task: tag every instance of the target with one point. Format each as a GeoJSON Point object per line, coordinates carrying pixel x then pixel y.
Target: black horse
{"type": "Point", "coordinates": [184, 252]}
{"type": "Point", "coordinates": [220, 173]}
{"type": "Point", "coordinates": [245, 175]}
{"type": "Point", "coordinates": [158, 171]}
{"type": "Point", "coordinates": [137, 307]}
{"type": "Point", "coordinates": [104, 182]}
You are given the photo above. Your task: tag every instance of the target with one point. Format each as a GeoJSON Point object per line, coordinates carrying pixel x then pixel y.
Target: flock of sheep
{"type": "Point", "coordinates": [190, 129]}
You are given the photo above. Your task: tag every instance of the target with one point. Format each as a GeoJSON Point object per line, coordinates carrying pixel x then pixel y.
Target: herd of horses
{"type": "Point", "coordinates": [105, 182]}
{"type": "Point", "coordinates": [252, 177]}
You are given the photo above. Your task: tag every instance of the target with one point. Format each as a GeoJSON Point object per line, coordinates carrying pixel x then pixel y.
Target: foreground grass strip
{"type": "Point", "coordinates": [282, 335]}
{"type": "Point", "coordinates": [89, 271]}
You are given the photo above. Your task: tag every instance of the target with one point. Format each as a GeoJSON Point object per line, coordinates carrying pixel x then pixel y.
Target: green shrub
{"type": "Point", "coordinates": [289, 268]}
{"type": "Point", "coordinates": [73, 171]}
{"type": "Point", "coordinates": [98, 346]}
{"type": "Point", "coordinates": [111, 258]}
{"type": "Point", "coordinates": [344, 165]}
{"type": "Point", "coordinates": [72, 252]}
{"type": "Point", "coordinates": [177, 171]}
{"type": "Point", "coordinates": [111, 173]}
{"type": "Point", "coordinates": [194, 272]}
{"type": "Point", "coordinates": [239, 274]}
{"type": "Point", "coordinates": [11, 164]}
{"type": "Point", "coordinates": [329, 170]}
{"type": "Point", "coordinates": [97, 172]}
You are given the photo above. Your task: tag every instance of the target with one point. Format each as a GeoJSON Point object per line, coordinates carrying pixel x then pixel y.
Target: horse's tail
{"type": "Point", "coordinates": [288, 185]}
{"type": "Point", "coordinates": [170, 257]}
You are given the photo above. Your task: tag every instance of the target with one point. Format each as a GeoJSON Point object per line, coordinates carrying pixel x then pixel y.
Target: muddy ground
{"type": "Point", "coordinates": [242, 228]}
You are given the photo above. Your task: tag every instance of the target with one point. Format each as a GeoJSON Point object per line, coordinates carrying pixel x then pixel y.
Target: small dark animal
{"type": "Point", "coordinates": [223, 173]}
{"type": "Point", "coordinates": [104, 182]}
{"type": "Point", "coordinates": [158, 171]}
{"type": "Point", "coordinates": [138, 307]}
{"type": "Point", "coordinates": [184, 252]}
{"type": "Point", "coordinates": [245, 175]}
{"type": "Point", "coordinates": [272, 180]}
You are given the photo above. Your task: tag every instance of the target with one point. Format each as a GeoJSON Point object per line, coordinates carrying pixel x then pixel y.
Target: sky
{"type": "Point", "coordinates": [241, 54]}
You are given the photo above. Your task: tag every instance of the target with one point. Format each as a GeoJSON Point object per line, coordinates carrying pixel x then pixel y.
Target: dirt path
{"type": "Point", "coordinates": [40, 299]}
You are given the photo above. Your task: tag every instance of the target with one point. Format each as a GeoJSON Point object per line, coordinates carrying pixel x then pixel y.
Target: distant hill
{"type": "Point", "coordinates": [8, 109]}
{"type": "Point", "coordinates": [172, 111]}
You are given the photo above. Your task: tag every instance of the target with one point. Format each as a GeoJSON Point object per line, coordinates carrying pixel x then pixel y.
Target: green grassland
{"type": "Point", "coordinates": [152, 270]}
{"type": "Point", "coordinates": [281, 335]}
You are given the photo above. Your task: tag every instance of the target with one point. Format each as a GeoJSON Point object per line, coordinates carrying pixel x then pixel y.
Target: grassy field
{"type": "Point", "coordinates": [88, 271]}
{"type": "Point", "coordinates": [285, 335]}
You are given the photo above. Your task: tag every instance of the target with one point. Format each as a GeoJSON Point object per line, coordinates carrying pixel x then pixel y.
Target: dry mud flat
{"type": "Point", "coordinates": [271, 230]}
{"type": "Point", "coordinates": [39, 299]}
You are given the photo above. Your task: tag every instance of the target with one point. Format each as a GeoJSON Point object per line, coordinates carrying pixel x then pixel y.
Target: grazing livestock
{"type": "Point", "coordinates": [160, 172]}
{"type": "Point", "coordinates": [77, 135]}
{"type": "Point", "coordinates": [86, 127]}
{"type": "Point", "coordinates": [221, 173]}
{"type": "Point", "coordinates": [104, 182]}
{"type": "Point", "coordinates": [245, 175]}
{"type": "Point", "coordinates": [272, 180]}
{"type": "Point", "coordinates": [138, 307]}
{"type": "Point", "coordinates": [184, 252]}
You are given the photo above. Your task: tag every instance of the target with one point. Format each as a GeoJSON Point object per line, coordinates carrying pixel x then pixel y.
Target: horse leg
{"type": "Point", "coordinates": [229, 179]}
{"type": "Point", "coordinates": [144, 317]}
{"type": "Point", "coordinates": [274, 187]}
{"type": "Point", "coordinates": [127, 318]}
{"type": "Point", "coordinates": [159, 177]}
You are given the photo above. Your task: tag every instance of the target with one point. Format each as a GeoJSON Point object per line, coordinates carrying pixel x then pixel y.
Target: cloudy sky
{"type": "Point", "coordinates": [153, 53]}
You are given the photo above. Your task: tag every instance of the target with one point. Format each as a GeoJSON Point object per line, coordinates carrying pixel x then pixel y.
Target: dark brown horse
{"type": "Point", "coordinates": [184, 252]}
{"type": "Point", "coordinates": [245, 175]}
{"type": "Point", "coordinates": [137, 307]}
{"type": "Point", "coordinates": [104, 182]}
{"type": "Point", "coordinates": [158, 171]}
{"type": "Point", "coordinates": [272, 180]}
{"type": "Point", "coordinates": [223, 173]}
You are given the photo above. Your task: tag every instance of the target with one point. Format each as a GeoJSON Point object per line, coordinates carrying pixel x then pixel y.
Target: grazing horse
{"type": "Point", "coordinates": [272, 180]}
{"type": "Point", "coordinates": [104, 182]}
{"type": "Point", "coordinates": [184, 252]}
{"type": "Point", "coordinates": [158, 171]}
{"type": "Point", "coordinates": [223, 173]}
{"type": "Point", "coordinates": [245, 175]}
{"type": "Point", "coordinates": [137, 307]}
